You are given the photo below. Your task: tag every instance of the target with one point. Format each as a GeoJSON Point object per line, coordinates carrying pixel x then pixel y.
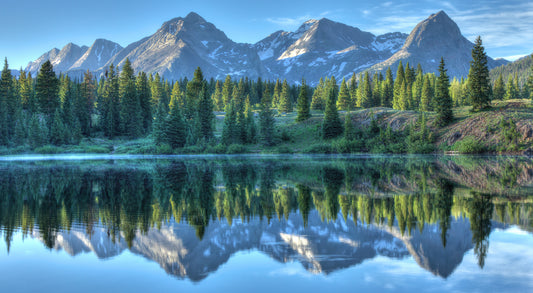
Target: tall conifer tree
{"type": "Point", "coordinates": [443, 101]}
{"type": "Point", "coordinates": [47, 90]}
{"type": "Point", "coordinates": [479, 89]}
{"type": "Point", "coordinates": [303, 111]}
{"type": "Point", "coordinates": [332, 125]}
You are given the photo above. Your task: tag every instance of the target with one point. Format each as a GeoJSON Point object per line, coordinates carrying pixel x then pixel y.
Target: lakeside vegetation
{"type": "Point", "coordinates": [121, 112]}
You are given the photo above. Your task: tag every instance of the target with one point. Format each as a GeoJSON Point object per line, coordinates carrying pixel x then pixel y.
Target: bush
{"type": "Point", "coordinates": [94, 149]}
{"type": "Point", "coordinates": [48, 149]}
{"type": "Point", "coordinates": [469, 145]}
{"type": "Point", "coordinates": [285, 136]}
{"type": "Point", "coordinates": [421, 148]}
{"type": "Point", "coordinates": [321, 148]}
{"type": "Point", "coordinates": [216, 149]}
{"type": "Point", "coordinates": [193, 149]}
{"type": "Point", "coordinates": [164, 149]}
{"type": "Point", "coordinates": [344, 146]}
{"type": "Point", "coordinates": [284, 150]}
{"type": "Point", "coordinates": [236, 149]}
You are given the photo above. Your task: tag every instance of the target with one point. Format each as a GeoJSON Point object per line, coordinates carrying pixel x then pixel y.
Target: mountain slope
{"type": "Point", "coordinates": [97, 55]}
{"type": "Point", "coordinates": [435, 37]}
{"type": "Point", "coordinates": [67, 57]}
{"type": "Point", "coordinates": [34, 66]}
{"type": "Point", "coordinates": [183, 44]}
{"type": "Point", "coordinates": [318, 48]}
{"type": "Point", "coordinates": [324, 47]}
{"type": "Point", "coordinates": [521, 68]}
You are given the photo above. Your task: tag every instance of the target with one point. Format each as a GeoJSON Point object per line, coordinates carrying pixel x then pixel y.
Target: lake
{"type": "Point", "coordinates": [266, 223]}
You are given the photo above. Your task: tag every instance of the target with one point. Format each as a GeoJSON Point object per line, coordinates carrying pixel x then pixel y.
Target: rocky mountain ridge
{"type": "Point", "coordinates": [318, 48]}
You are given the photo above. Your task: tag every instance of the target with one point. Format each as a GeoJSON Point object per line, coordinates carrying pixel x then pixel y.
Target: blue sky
{"type": "Point", "coordinates": [31, 27]}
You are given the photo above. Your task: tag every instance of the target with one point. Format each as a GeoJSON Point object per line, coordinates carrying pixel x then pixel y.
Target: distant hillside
{"type": "Point", "coordinates": [520, 68]}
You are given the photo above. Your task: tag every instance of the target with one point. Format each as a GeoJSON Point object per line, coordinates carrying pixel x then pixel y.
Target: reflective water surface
{"type": "Point", "coordinates": [267, 224]}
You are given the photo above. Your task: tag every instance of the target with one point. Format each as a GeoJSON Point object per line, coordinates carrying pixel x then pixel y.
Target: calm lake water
{"type": "Point", "coordinates": [266, 224]}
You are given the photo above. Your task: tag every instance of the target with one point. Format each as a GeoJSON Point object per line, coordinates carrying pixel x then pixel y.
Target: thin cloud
{"type": "Point", "coordinates": [288, 21]}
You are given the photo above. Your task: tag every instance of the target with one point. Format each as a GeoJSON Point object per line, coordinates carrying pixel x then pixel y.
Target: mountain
{"type": "Point", "coordinates": [97, 55]}
{"type": "Point", "coordinates": [318, 48]}
{"type": "Point", "coordinates": [521, 68]}
{"type": "Point", "coordinates": [324, 48]}
{"type": "Point", "coordinates": [320, 247]}
{"type": "Point", "coordinates": [435, 37]}
{"type": "Point", "coordinates": [73, 59]}
{"type": "Point", "coordinates": [67, 57]}
{"type": "Point", "coordinates": [34, 66]}
{"type": "Point", "coordinates": [183, 44]}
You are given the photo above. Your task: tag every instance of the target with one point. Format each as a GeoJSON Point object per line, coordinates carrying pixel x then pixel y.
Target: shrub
{"type": "Point", "coordinates": [48, 149]}
{"type": "Point", "coordinates": [164, 149]}
{"type": "Point", "coordinates": [284, 150]}
{"type": "Point", "coordinates": [216, 149]}
{"type": "Point", "coordinates": [344, 146]}
{"type": "Point", "coordinates": [192, 149]}
{"type": "Point", "coordinates": [469, 145]}
{"type": "Point", "coordinates": [285, 136]}
{"type": "Point", "coordinates": [94, 149]}
{"type": "Point", "coordinates": [236, 149]}
{"type": "Point", "coordinates": [321, 148]}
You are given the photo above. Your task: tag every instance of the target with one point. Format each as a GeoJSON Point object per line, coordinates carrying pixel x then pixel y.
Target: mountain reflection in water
{"type": "Point", "coordinates": [191, 216]}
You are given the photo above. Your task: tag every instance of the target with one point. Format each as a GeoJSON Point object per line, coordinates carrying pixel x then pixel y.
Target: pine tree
{"type": "Point", "coordinates": [229, 130]}
{"type": "Point", "coordinates": [21, 128]}
{"type": "Point", "coordinates": [443, 101]}
{"type": "Point", "coordinates": [285, 103]}
{"type": "Point", "coordinates": [57, 131]}
{"type": "Point", "coordinates": [353, 91]}
{"type": "Point", "coordinates": [343, 100]}
{"type": "Point", "coordinates": [332, 125]}
{"type": "Point", "coordinates": [478, 78]}
{"type": "Point", "coordinates": [364, 94]}
{"type": "Point", "coordinates": [276, 94]}
{"type": "Point", "coordinates": [130, 108]}
{"type": "Point", "coordinates": [85, 107]}
{"type": "Point", "coordinates": [387, 89]}
{"type": "Point", "coordinates": [499, 88]}
{"type": "Point", "coordinates": [205, 115]}
{"type": "Point", "coordinates": [142, 88]}
{"type": "Point", "coordinates": [159, 131]}
{"type": "Point", "coordinates": [417, 86]}
{"type": "Point", "coordinates": [8, 96]}
{"type": "Point", "coordinates": [192, 94]}
{"type": "Point", "coordinates": [510, 91]}
{"type": "Point", "coordinates": [47, 89]}
{"type": "Point", "coordinates": [38, 133]}
{"type": "Point", "coordinates": [399, 84]}
{"type": "Point", "coordinates": [317, 101]}
{"type": "Point", "coordinates": [227, 88]}
{"type": "Point", "coordinates": [217, 97]}
{"type": "Point", "coordinates": [266, 120]}
{"type": "Point", "coordinates": [426, 98]}
{"type": "Point", "coordinates": [110, 104]}
{"type": "Point", "coordinates": [156, 91]}
{"type": "Point", "coordinates": [175, 128]}
{"type": "Point", "coordinates": [349, 130]}
{"type": "Point", "coordinates": [26, 91]}
{"type": "Point", "coordinates": [303, 111]}
{"type": "Point", "coordinates": [251, 131]}
{"type": "Point", "coordinates": [176, 98]}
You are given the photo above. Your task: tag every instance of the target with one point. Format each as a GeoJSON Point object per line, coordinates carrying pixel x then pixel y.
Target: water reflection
{"type": "Point", "coordinates": [191, 216]}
